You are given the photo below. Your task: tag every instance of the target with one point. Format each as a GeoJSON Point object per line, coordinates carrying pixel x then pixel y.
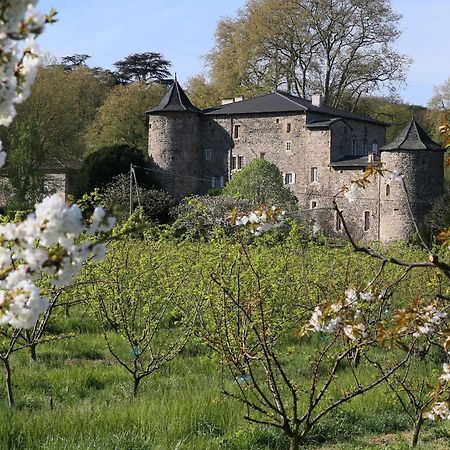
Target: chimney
{"type": "Point", "coordinates": [317, 99]}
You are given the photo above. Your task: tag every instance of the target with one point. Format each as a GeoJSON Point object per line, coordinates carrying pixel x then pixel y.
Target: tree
{"type": "Point", "coordinates": [149, 66]}
{"type": "Point", "coordinates": [202, 93]}
{"type": "Point", "coordinates": [342, 49]}
{"type": "Point", "coordinates": [100, 167]}
{"type": "Point", "coordinates": [73, 61]}
{"type": "Point", "coordinates": [261, 182]}
{"type": "Point", "coordinates": [61, 105]}
{"type": "Point", "coordinates": [26, 154]}
{"type": "Point", "coordinates": [438, 106]}
{"type": "Point", "coordinates": [121, 119]}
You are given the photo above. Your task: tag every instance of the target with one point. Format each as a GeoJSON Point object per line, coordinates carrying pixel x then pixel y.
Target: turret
{"type": "Point", "coordinates": [420, 162]}
{"type": "Point", "coordinates": [174, 143]}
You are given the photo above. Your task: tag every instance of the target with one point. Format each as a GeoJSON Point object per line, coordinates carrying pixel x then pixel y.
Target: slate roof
{"type": "Point", "coordinates": [351, 162]}
{"type": "Point", "coordinates": [175, 100]}
{"type": "Point", "coordinates": [283, 102]}
{"type": "Point", "coordinates": [323, 123]}
{"type": "Point", "coordinates": [413, 137]}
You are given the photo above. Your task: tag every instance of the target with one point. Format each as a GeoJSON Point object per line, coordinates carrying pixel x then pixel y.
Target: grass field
{"type": "Point", "coordinates": [75, 396]}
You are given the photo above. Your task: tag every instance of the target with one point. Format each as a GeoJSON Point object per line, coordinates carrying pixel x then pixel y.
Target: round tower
{"type": "Point", "coordinates": [174, 143]}
{"type": "Point", "coordinates": [420, 162]}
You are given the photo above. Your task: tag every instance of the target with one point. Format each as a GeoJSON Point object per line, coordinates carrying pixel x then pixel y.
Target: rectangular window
{"type": "Point", "coordinates": [233, 162]}
{"type": "Point", "coordinates": [240, 162]}
{"type": "Point", "coordinates": [338, 222]}
{"type": "Point", "coordinates": [288, 146]}
{"type": "Point", "coordinates": [366, 220]}
{"type": "Point", "coordinates": [237, 130]}
{"type": "Point", "coordinates": [262, 156]}
{"type": "Point", "coordinates": [208, 154]}
{"type": "Point", "coordinates": [365, 147]}
{"type": "Point", "coordinates": [288, 128]}
{"type": "Point", "coordinates": [354, 147]}
{"type": "Point", "coordinates": [217, 182]}
{"type": "Point", "coordinates": [314, 175]}
{"type": "Point", "coordinates": [289, 178]}
{"type": "Point", "coordinates": [313, 204]}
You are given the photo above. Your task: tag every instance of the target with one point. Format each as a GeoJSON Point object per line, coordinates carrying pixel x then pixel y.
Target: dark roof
{"type": "Point", "coordinates": [55, 165]}
{"type": "Point", "coordinates": [413, 137]}
{"type": "Point", "coordinates": [323, 123]}
{"type": "Point", "coordinates": [281, 102]}
{"type": "Point", "coordinates": [175, 100]}
{"type": "Point", "coordinates": [351, 162]}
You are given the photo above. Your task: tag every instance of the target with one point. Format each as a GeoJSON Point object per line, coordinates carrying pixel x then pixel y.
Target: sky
{"type": "Point", "coordinates": [183, 31]}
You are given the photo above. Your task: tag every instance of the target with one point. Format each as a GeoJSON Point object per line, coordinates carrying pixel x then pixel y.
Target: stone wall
{"type": "Point", "coordinates": [174, 148]}
{"type": "Point", "coordinates": [423, 172]}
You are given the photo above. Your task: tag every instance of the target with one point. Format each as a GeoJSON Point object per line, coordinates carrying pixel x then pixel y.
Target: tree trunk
{"type": "Point", "coordinates": [33, 352]}
{"type": "Point", "coordinates": [9, 387]}
{"type": "Point", "coordinates": [136, 386]}
{"type": "Point", "coordinates": [417, 427]}
{"type": "Point", "coordinates": [295, 444]}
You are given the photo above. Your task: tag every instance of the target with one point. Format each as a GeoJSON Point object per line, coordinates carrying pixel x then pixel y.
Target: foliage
{"type": "Point", "coordinates": [121, 119]}
{"type": "Point", "coordinates": [61, 105]}
{"type": "Point", "coordinates": [155, 204]}
{"type": "Point", "coordinates": [148, 66]}
{"type": "Point", "coordinates": [260, 182]}
{"type": "Point", "coordinates": [340, 49]}
{"type": "Point", "coordinates": [142, 306]}
{"type": "Point", "coordinates": [202, 93]}
{"type": "Point", "coordinates": [199, 216]}
{"type": "Point", "coordinates": [100, 167]}
{"type": "Point", "coordinates": [26, 154]}
{"type": "Point", "coordinates": [438, 217]}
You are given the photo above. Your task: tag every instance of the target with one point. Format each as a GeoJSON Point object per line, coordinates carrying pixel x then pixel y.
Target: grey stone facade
{"type": "Point", "coordinates": [318, 150]}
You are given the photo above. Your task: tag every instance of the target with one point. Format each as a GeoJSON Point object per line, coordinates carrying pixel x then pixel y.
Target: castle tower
{"type": "Point", "coordinates": [174, 142]}
{"type": "Point", "coordinates": [420, 162]}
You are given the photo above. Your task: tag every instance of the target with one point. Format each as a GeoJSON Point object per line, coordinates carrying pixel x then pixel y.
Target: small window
{"type": "Point", "coordinates": [314, 175]}
{"type": "Point", "coordinates": [365, 147]}
{"type": "Point", "coordinates": [262, 155]}
{"type": "Point", "coordinates": [388, 190]}
{"type": "Point", "coordinates": [237, 131]}
{"type": "Point", "coordinates": [288, 128]}
{"type": "Point", "coordinates": [240, 162]}
{"type": "Point", "coordinates": [338, 223]}
{"type": "Point", "coordinates": [354, 147]}
{"type": "Point", "coordinates": [313, 204]}
{"type": "Point", "coordinates": [289, 178]}
{"type": "Point", "coordinates": [208, 153]}
{"type": "Point", "coordinates": [288, 146]}
{"type": "Point", "coordinates": [233, 162]}
{"type": "Point", "coordinates": [277, 121]}
{"type": "Point", "coordinates": [149, 125]}
{"type": "Point", "coordinates": [217, 182]}
{"type": "Point", "coordinates": [375, 147]}
{"type": "Point", "coordinates": [366, 220]}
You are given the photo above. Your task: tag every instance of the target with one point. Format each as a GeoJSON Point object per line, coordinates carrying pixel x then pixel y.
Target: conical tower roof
{"type": "Point", "coordinates": [175, 100]}
{"type": "Point", "coordinates": [413, 137]}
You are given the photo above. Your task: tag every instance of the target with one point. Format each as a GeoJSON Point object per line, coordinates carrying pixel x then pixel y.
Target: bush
{"type": "Point", "coordinates": [439, 216]}
{"type": "Point", "coordinates": [155, 204]}
{"type": "Point", "coordinates": [100, 167]}
{"type": "Point", "coordinates": [260, 182]}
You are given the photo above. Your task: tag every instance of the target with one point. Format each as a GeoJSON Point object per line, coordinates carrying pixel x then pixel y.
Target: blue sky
{"type": "Point", "coordinates": [183, 31]}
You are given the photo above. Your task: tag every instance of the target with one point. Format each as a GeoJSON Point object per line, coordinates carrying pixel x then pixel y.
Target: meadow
{"type": "Point", "coordinates": [75, 394]}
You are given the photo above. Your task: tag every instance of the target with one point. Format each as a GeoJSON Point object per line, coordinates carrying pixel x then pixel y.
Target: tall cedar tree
{"type": "Point", "coordinates": [149, 66]}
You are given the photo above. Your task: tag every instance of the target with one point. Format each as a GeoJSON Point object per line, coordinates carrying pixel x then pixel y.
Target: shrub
{"type": "Point", "coordinates": [155, 204]}
{"type": "Point", "coordinates": [100, 167]}
{"type": "Point", "coordinates": [260, 182]}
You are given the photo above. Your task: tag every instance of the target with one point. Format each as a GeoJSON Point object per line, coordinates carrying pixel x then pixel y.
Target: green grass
{"type": "Point", "coordinates": [77, 397]}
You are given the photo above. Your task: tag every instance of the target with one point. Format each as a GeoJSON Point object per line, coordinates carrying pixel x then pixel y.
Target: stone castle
{"type": "Point", "coordinates": [317, 148]}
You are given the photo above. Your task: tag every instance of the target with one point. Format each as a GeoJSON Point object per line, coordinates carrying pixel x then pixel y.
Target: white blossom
{"type": "Point", "coordinates": [439, 411]}
{"type": "Point", "coordinates": [446, 373]}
